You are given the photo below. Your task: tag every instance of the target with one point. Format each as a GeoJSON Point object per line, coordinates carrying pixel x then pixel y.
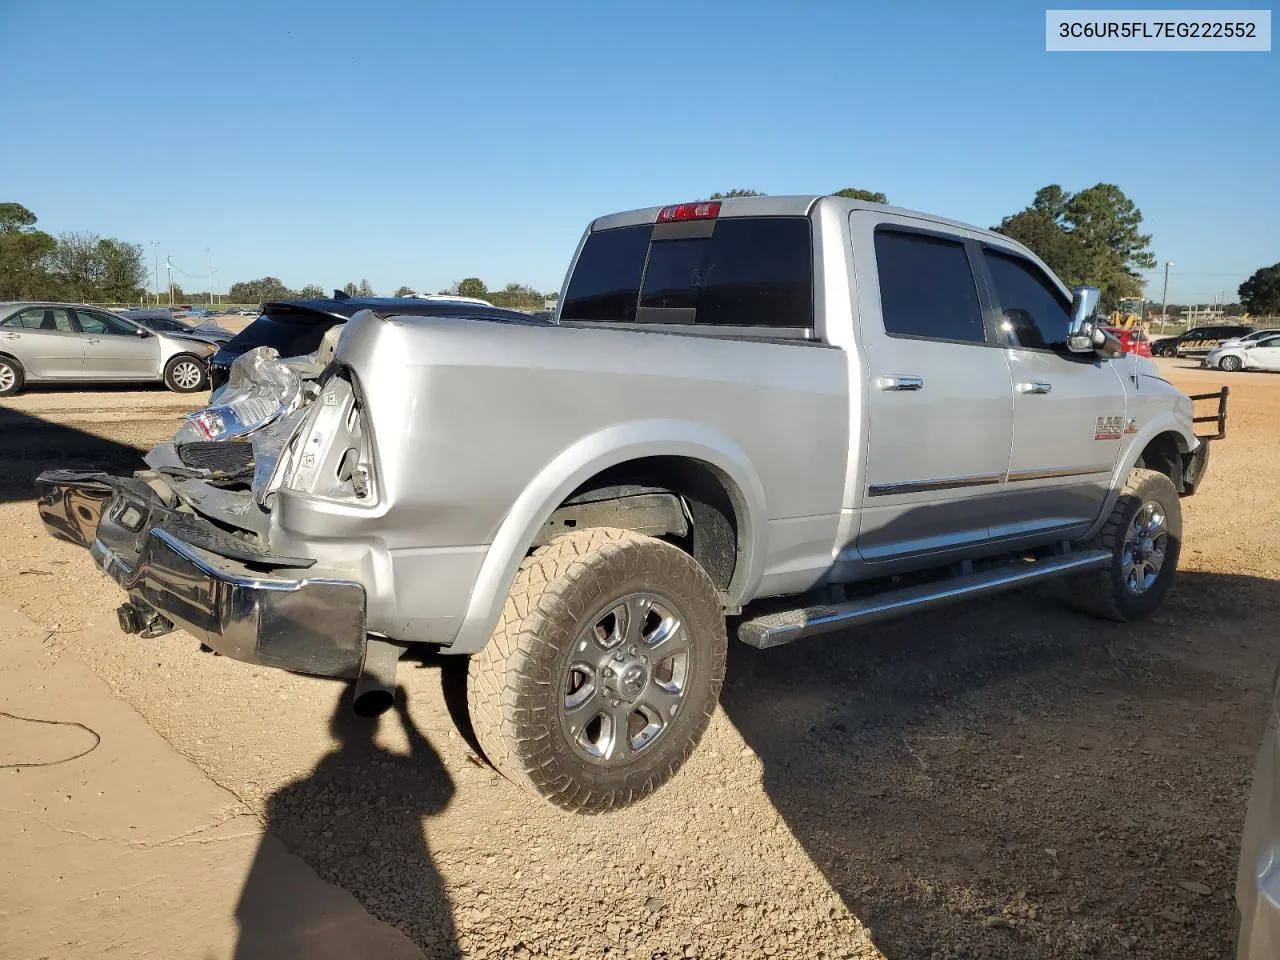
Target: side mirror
{"type": "Point", "coordinates": [143, 332]}
{"type": "Point", "coordinates": [1083, 325]}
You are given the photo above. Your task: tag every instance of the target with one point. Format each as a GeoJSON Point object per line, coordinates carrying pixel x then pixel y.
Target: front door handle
{"type": "Point", "coordinates": [1031, 386]}
{"type": "Point", "coordinates": [900, 382]}
{"type": "Point", "coordinates": [13, 336]}
{"type": "Point", "coordinates": [93, 340]}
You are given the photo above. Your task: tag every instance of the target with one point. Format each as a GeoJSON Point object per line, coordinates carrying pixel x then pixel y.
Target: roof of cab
{"type": "Point", "coordinates": [788, 206]}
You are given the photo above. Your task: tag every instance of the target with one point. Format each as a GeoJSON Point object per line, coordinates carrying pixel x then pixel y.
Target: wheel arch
{"type": "Point", "coordinates": [674, 455]}
{"type": "Point", "coordinates": [1162, 442]}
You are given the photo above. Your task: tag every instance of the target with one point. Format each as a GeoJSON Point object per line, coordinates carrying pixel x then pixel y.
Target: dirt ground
{"type": "Point", "coordinates": [1007, 779]}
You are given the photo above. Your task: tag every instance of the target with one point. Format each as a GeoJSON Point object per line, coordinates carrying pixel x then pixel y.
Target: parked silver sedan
{"type": "Point", "coordinates": [47, 342]}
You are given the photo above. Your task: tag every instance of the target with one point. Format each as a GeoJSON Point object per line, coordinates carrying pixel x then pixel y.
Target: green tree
{"type": "Point", "coordinates": [350, 289]}
{"type": "Point", "coordinates": [471, 287]}
{"type": "Point", "coordinates": [517, 296]}
{"type": "Point", "coordinates": [85, 266]}
{"type": "Point", "coordinates": [311, 291]}
{"type": "Point", "coordinates": [736, 192]}
{"type": "Point", "coordinates": [1260, 294]}
{"type": "Point", "coordinates": [259, 291]}
{"type": "Point", "coordinates": [857, 193]}
{"type": "Point", "coordinates": [23, 253]}
{"type": "Point", "coordinates": [403, 291]}
{"type": "Point", "coordinates": [364, 290]}
{"type": "Point", "coordinates": [1087, 237]}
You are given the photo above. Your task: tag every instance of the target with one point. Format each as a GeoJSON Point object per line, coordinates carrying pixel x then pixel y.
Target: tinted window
{"type": "Point", "coordinates": [103, 324]}
{"type": "Point", "coordinates": [1033, 312]}
{"type": "Point", "coordinates": [291, 336]}
{"type": "Point", "coordinates": [42, 318]}
{"type": "Point", "coordinates": [751, 272]}
{"type": "Point", "coordinates": [926, 288]}
{"type": "Point", "coordinates": [606, 279]}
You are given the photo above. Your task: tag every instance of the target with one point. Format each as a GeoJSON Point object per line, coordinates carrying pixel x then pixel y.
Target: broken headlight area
{"type": "Point", "coordinates": [330, 453]}
{"type": "Point", "coordinates": [260, 390]}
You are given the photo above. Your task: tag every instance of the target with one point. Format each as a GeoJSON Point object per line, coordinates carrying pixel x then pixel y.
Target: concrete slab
{"type": "Point", "coordinates": [112, 843]}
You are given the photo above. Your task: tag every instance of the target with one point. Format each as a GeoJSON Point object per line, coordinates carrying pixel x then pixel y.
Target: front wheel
{"type": "Point", "coordinates": [1230, 364]}
{"type": "Point", "coordinates": [185, 374]}
{"type": "Point", "coordinates": [1143, 535]}
{"type": "Point", "coordinates": [603, 672]}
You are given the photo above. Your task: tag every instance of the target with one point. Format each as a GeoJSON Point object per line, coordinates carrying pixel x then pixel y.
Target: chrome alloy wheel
{"type": "Point", "coordinates": [1146, 541]}
{"type": "Point", "coordinates": [626, 679]}
{"type": "Point", "coordinates": [187, 374]}
{"type": "Point", "coordinates": [7, 378]}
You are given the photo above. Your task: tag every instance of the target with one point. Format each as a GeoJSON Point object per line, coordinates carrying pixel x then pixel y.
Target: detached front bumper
{"type": "Point", "coordinates": [244, 602]}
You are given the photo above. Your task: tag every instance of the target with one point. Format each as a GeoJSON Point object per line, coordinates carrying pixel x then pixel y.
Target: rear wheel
{"type": "Point", "coordinates": [1144, 535]}
{"type": "Point", "coordinates": [186, 374]}
{"type": "Point", "coordinates": [604, 671]}
{"type": "Point", "coordinates": [11, 378]}
{"type": "Point", "coordinates": [1230, 363]}
{"type": "Point", "coordinates": [1168, 351]}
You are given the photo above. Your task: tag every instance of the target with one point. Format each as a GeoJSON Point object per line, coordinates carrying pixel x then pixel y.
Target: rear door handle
{"type": "Point", "coordinates": [1032, 386]}
{"type": "Point", "coordinates": [900, 382]}
{"type": "Point", "coordinates": [93, 340]}
{"type": "Point", "coordinates": [13, 336]}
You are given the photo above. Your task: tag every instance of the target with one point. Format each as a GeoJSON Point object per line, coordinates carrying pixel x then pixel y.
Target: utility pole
{"type": "Point", "coordinates": [208, 260]}
{"type": "Point", "coordinates": [155, 246]}
{"type": "Point", "coordinates": [1164, 297]}
{"type": "Point", "coordinates": [168, 268]}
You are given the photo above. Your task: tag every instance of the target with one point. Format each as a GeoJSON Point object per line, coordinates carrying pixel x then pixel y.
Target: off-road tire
{"type": "Point", "coordinates": [515, 684]}
{"type": "Point", "coordinates": [1103, 592]}
{"type": "Point", "coordinates": [11, 377]}
{"type": "Point", "coordinates": [1230, 364]}
{"type": "Point", "coordinates": [175, 368]}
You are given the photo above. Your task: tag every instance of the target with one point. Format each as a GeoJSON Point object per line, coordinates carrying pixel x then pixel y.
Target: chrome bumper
{"type": "Point", "coordinates": [248, 611]}
{"type": "Point", "coordinates": [1258, 883]}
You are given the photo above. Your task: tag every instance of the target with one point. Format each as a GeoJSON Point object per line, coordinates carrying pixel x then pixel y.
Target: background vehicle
{"type": "Point", "coordinates": [1263, 354]}
{"type": "Point", "coordinates": [43, 342]}
{"type": "Point", "coordinates": [296, 327]}
{"type": "Point", "coordinates": [733, 414]}
{"type": "Point", "coordinates": [162, 321]}
{"type": "Point", "coordinates": [1250, 337]}
{"type": "Point", "coordinates": [1132, 340]}
{"type": "Point", "coordinates": [1258, 881]}
{"type": "Point", "coordinates": [1198, 341]}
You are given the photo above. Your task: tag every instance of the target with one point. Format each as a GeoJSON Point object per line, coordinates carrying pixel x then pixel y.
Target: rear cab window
{"type": "Point", "coordinates": [751, 272]}
{"type": "Point", "coordinates": [944, 308]}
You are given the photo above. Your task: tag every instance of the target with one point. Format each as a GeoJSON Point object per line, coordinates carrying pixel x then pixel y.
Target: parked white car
{"type": "Point", "coordinates": [1261, 354]}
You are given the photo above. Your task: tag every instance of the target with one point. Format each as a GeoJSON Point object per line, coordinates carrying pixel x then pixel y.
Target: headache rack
{"type": "Point", "coordinates": [1220, 418]}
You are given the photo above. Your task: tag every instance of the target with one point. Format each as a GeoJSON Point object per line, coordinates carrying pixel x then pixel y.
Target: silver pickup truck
{"type": "Point", "coordinates": [802, 413]}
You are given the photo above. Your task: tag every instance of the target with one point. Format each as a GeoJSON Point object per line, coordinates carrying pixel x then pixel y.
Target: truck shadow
{"type": "Point", "coordinates": [1014, 779]}
{"type": "Point", "coordinates": [357, 820]}
{"type": "Point", "coordinates": [30, 444]}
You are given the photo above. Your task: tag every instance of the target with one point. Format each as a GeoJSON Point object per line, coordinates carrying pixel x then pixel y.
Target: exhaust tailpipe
{"type": "Point", "coordinates": [376, 685]}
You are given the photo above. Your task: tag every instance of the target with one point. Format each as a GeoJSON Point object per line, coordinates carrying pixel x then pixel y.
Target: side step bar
{"type": "Point", "coordinates": [775, 629]}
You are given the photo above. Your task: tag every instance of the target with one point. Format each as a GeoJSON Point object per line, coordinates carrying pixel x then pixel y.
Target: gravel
{"type": "Point", "coordinates": [1007, 779]}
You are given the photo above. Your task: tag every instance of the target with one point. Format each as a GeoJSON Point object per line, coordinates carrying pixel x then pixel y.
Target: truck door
{"type": "Point", "coordinates": [1069, 410]}
{"type": "Point", "coordinates": [939, 400]}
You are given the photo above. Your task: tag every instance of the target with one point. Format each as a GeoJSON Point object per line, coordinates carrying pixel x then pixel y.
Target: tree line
{"type": "Point", "coordinates": [72, 266]}
{"type": "Point", "coordinates": [515, 296]}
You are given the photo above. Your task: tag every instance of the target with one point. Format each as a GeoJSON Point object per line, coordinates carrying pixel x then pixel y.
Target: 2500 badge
{"type": "Point", "coordinates": [1113, 428]}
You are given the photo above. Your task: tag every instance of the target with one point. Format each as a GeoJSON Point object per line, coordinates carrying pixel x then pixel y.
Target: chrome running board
{"type": "Point", "coordinates": [784, 626]}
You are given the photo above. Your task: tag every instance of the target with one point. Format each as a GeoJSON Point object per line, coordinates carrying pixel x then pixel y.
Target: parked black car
{"type": "Point", "coordinates": [1197, 341]}
{"type": "Point", "coordinates": [296, 327]}
{"type": "Point", "coordinates": [162, 321]}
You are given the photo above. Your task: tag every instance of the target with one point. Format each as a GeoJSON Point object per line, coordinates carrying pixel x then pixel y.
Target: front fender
{"type": "Point", "coordinates": [1175, 421]}
{"type": "Point", "coordinates": [578, 463]}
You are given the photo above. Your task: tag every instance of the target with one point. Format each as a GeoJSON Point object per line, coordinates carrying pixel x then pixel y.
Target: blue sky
{"type": "Point", "coordinates": [421, 142]}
